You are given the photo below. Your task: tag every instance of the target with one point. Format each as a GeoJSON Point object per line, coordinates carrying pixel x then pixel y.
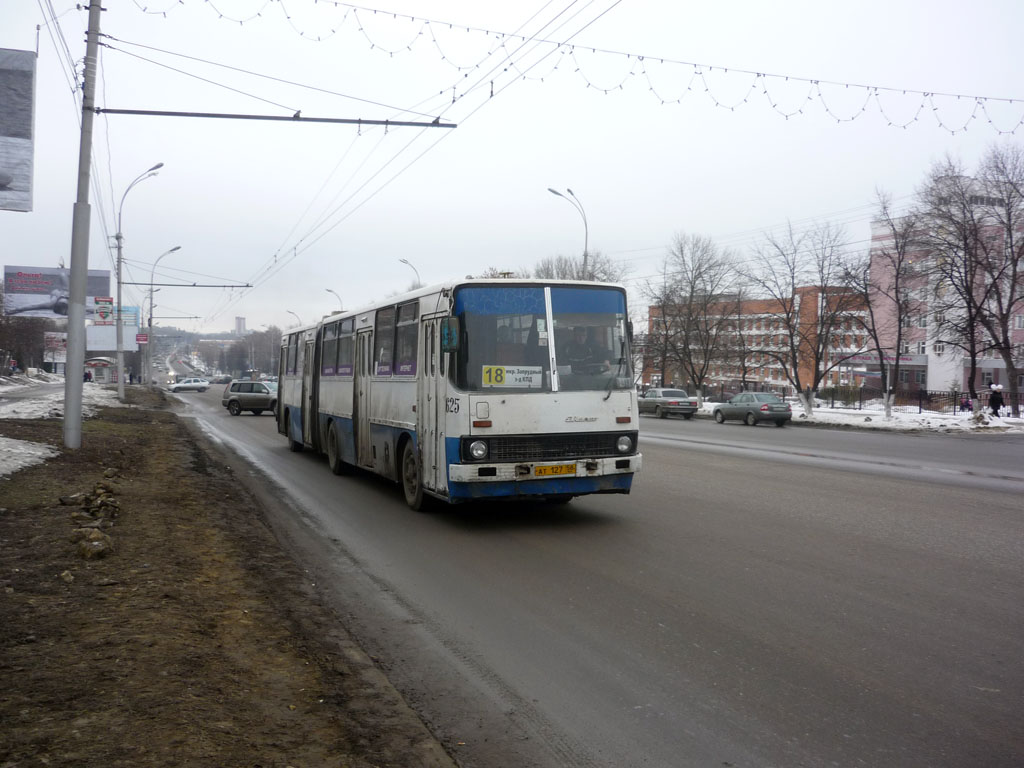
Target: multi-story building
{"type": "Point", "coordinates": [928, 358]}
{"type": "Point", "coordinates": [239, 326]}
{"type": "Point", "coordinates": [757, 335]}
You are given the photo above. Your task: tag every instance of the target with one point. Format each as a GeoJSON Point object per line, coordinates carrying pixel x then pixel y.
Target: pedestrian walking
{"type": "Point", "coordinates": [995, 400]}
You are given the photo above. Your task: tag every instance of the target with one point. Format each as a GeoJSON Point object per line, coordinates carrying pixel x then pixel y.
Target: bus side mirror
{"type": "Point", "coordinates": [449, 334]}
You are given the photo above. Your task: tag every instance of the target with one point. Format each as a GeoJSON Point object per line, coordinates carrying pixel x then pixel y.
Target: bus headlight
{"type": "Point", "coordinates": [624, 444]}
{"type": "Point", "coordinates": [478, 449]}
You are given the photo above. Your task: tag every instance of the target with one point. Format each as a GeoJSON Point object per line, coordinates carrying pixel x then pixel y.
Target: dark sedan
{"type": "Point", "coordinates": [752, 407]}
{"type": "Point", "coordinates": [665, 402]}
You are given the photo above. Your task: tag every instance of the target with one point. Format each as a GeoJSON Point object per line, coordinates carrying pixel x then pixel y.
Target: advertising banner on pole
{"type": "Point", "coordinates": [45, 292]}
{"type": "Point", "coordinates": [17, 99]}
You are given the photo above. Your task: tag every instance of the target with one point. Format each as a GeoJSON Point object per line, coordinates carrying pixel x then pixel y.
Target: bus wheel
{"type": "Point", "coordinates": [333, 453]}
{"type": "Point", "coordinates": [412, 480]}
{"type": "Point", "coordinates": [295, 446]}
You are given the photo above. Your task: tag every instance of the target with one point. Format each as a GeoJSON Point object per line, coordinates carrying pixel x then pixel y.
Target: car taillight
{"type": "Point", "coordinates": [673, 402]}
{"type": "Point", "coordinates": [765, 408]}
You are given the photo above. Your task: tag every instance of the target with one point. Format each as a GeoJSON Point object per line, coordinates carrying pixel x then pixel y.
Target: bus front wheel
{"type": "Point", "coordinates": [412, 477]}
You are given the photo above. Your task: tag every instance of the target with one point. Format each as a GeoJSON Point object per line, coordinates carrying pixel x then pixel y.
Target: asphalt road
{"type": "Point", "coordinates": [764, 597]}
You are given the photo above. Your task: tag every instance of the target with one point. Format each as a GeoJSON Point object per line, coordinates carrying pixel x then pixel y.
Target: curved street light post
{"type": "Point", "coordinates": [575, 202]}
{"type": "Point", "coordinates": [408, 263]}
{"type": "Point", "coordinates": [149, 326]}
{"type": "Point", "coordinates": [299, 319]}
{"type": "Point", "coordinates": [119, 238]}
{"type": "Point", "coordinates": [341, 305]}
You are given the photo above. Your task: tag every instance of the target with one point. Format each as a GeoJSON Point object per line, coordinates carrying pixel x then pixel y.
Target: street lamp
{"type": "Point", "coordinates": [119, 238]}
{"type": "Point", "coordinates": [409, 264]}
{"type": "Point", "coordinates": [149, 326]}
{"type": "Point", "coordinates": [341, 305]}
{"type": "Point", "coordinates": [575, 202]}
{"type": "Point", "coordinates": [294, 315]}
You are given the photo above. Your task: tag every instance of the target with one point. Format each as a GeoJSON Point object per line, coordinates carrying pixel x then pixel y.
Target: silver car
{"type": "Point", "coordinates": [246, 395]}
{"type": "Point", "coordinates": [190, 385]}
{"type": "Point", "coordinates": [666, 402]}
{"type": "Point", "coordinates": [752, 407]}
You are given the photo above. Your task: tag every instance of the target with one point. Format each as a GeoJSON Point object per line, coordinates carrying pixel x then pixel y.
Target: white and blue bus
{"type": "Point", "coordinates": [471, 390]}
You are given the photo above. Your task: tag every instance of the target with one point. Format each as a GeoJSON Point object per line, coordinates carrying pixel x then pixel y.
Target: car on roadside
{"type": "Point", "coordinates": [190, 385]}
{"type": "Point", "coordinates": [754, 407]}
{"type": "Point", "coordinates": [667, 402]}
{"type": "Point", "coordinates": [255, 396]}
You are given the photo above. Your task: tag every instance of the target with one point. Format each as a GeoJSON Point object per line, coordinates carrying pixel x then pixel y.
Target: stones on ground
{"type": "Point", "coordinates": [96, 511]}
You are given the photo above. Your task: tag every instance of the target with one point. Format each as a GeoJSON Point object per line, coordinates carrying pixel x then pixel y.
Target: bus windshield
{"type": "Point", "coordinates": [506, 343]}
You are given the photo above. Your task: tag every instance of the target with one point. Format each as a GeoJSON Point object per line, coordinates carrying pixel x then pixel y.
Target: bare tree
{"type": "Point", "coordinates": [661, 331]}
{"type": "Point", "coordinates": [954, 237]}
{"type": "Point", "coordinates": [599, 267]}
{"type": "Point", "coordinates": [1002, 260]}
{"type": "Point", "coordinates": [494, 273]}
{"type": "Point", "coordinates": [704, 278]}
{"type": "Point", "coordinates": [807, 305]}
{"type": "Point", "coordinates": [882, 280]}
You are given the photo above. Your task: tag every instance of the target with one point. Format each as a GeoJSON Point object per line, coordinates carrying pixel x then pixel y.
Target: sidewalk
{"type": "Point", "coordinates": [149, 618]}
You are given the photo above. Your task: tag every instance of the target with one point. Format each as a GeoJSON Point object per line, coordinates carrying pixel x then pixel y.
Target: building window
{"type": "Point", "coordinates": [986, 378]}
{"type": "Point", "coordinates": [921, 377]}
{"type": "Point", "coordinates": [922, 321]}
{"type": "Point", "coordinates": [1018, 322]}
{"type": "Point", "coordinates": [904, 376]}
{"type": "Point", "coordinates": [938, 348]}
{"type": "Point", "coordinates": [921, 347]}
{"type": "Point", "coordinates": [904, 347]}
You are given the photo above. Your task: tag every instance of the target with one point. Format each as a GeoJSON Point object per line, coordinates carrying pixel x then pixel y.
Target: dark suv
{"type": "Point", "coordinates": [255, 396]}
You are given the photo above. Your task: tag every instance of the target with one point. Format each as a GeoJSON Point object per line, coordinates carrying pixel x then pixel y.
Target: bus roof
{"type": "Point", "coordinates": [430, 290]}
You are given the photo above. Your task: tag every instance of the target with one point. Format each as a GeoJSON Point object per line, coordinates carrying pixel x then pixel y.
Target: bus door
{"type": "Point", "coordinates": [361, 398]}
{"type": "Point", "coordinates": [430, 407]}
{"type": "Point", "coordinates": [308, 402]}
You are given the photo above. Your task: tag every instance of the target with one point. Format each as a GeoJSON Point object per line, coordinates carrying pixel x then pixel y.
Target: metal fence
{"type": "Point", "coordinates": [915, 401]}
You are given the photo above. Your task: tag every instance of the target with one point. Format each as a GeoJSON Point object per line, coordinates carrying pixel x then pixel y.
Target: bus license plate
{"type": "Point", "coordinates": [556, 469]}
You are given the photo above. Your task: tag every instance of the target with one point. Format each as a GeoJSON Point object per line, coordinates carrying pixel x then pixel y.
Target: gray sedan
{"type": "Point", "coordinates": [665, 402]}
{"type": "Point", "coordinates": [752, 407]}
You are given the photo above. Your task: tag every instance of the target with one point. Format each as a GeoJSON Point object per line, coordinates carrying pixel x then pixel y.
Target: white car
{"type": "Point", "coordinates": [190, 385]}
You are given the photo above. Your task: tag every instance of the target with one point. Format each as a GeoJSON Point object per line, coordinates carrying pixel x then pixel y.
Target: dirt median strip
{"type": "Point", "coordinates": [192, 639]}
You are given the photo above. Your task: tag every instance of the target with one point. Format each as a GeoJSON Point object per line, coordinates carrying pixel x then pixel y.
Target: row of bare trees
{"type": "Point", "coordinates": [955, 255]}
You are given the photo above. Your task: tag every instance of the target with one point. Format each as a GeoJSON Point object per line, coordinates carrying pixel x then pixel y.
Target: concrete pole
{"type": "Point", "coordinates": [117, 317]}
{"type": "Point", "coordinates": [74, 369]}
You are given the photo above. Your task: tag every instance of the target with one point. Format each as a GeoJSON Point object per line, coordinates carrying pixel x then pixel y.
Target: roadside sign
{"type": "Point", "coordinates": [104, 310]}
{"type": "Point", "coordinates": [142, 338]}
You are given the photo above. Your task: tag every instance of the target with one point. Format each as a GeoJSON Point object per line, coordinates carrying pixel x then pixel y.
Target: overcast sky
{"type": "Point", "coordinates": [296, 208]}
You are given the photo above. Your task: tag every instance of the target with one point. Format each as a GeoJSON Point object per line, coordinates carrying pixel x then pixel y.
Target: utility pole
{"type": "Point", "coordinates": [75, 366]}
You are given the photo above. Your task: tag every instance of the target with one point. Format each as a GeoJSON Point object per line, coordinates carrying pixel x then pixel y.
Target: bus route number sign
{"type": "Point", "coordinates": [513, 376]}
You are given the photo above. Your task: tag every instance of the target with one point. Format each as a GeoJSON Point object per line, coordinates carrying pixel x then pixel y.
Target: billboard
{"type": "Point", "coordinates": [55, 347]}
{"type": "Point", "coordinates": [103, 338]}
{"type": "Point", "coordinates": [17, 97]}
{"type": "Point", "coordinates": [44, 291]}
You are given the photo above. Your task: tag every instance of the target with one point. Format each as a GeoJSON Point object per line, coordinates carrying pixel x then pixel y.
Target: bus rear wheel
{"type": "Point", "coordinates": [334, 452]}
{"type": "Point", "coordinates": [412, 477]}
{"type": "Point", "coordinates": [293, 445]}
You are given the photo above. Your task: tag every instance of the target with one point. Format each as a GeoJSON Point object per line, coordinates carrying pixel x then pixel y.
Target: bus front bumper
{"type": "Point", "coordinates": [545, 471]}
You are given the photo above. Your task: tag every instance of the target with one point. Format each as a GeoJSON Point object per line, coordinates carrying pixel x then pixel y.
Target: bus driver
{"type": "Point", "coordinates": [584, 353]}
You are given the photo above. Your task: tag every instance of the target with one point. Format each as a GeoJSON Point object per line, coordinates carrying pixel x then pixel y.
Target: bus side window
{"type": "Point", "coordinates": [432, 330]}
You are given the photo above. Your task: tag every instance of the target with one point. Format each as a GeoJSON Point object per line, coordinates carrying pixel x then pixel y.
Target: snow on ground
{"type": "Point", "coordinates": [19, 454]}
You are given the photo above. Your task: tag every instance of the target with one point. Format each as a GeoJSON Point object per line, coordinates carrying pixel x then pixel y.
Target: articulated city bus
{"type": "Point", "coordinates": [470, 390]}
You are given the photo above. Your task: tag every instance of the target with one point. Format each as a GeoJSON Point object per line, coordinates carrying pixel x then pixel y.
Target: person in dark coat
{"type": "Point", "coordinates": [995, 400]}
